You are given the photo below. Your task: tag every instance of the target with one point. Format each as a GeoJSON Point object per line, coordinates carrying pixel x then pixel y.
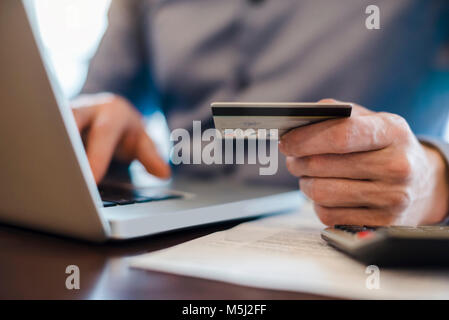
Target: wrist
{"type": "Point", "coordinates": [439, 207]}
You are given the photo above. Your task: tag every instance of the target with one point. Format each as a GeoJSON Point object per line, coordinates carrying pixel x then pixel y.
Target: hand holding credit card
{"type": "Point", "coordinates": [282, 116]}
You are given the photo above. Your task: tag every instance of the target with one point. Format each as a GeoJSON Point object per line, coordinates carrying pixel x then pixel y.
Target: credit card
{"type": "Point", "coordinates": [283, 116]}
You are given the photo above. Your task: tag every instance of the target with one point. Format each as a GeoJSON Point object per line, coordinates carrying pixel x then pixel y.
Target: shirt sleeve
{"type": "Point", "coordinates": [120, 58]}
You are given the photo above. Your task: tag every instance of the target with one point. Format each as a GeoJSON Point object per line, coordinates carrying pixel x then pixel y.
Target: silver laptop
{"type": "Point", "coordinates": [45, 179]}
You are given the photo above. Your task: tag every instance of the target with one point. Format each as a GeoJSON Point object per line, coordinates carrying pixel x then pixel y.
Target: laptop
{"type": "Point", "coordinates": [45, 179]}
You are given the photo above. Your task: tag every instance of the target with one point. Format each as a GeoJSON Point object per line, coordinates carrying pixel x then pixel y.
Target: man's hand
{"type": "Point", "coordinates": [111, 127]}
{"type": "Point", "coordinates": [368, 169]}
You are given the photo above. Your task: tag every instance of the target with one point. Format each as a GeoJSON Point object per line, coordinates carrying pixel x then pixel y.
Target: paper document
{"type": "Point", "coordinates": [286, 252]}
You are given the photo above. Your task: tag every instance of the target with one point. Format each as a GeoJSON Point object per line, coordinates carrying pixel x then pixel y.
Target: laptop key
{"type": "Point", "coordinates": [120, 201]}
{"type": "Point", "coordinates": [157, 198]}
{"type": "Point", "coordinates": [109, 204]}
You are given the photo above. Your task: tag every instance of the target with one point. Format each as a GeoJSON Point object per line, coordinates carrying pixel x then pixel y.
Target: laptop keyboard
{"type": "Point", "coordinates": [115, 195]}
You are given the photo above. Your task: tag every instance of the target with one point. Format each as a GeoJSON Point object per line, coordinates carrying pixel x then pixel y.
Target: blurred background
{"type": "Point", "coordinates": [71, 31]}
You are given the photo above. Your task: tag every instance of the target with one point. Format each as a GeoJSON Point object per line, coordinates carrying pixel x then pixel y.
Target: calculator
{"type": "Point", "coordinates": [395, 246]}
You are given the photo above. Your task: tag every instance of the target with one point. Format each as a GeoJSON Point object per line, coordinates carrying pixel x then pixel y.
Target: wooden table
{"type": "Point", "coordinates": [32, 266]}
